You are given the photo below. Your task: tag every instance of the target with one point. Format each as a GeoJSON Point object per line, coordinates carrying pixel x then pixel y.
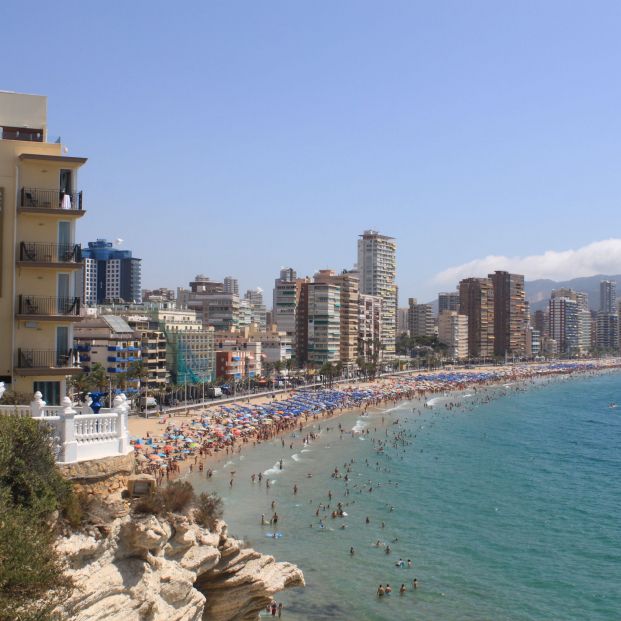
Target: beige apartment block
{"type": "Point", "coordinates": [349, 294]}
{"type": "Point", "coordinates": [40, 203]}
{"type": "Point", "coordinates": [453, 332]}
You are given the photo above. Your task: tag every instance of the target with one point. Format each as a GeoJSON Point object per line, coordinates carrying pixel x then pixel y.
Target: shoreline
{"type": "Point", "coordinates": [189, 446]}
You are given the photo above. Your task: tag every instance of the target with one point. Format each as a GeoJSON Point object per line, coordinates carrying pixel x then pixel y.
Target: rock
{"type": "Point", "coordinates": [151, 568]}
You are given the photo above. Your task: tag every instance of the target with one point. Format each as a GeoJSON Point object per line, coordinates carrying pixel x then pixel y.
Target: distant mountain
{"type": "Point", "coordinates": [538, 291]}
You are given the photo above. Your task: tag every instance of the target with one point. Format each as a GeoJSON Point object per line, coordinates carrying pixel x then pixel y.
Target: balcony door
{"type": "Point", "coordinates": [65, 181]}
{"type": "Point", "coordinates": [63, 301]}
{"type": "Point", "coordinates": [62, 346]}
{"type": "Point", "coordinates": [65, 241]}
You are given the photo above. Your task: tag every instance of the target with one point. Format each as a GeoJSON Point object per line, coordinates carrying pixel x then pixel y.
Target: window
{"type": "Point", "coordinates": [50, 391]}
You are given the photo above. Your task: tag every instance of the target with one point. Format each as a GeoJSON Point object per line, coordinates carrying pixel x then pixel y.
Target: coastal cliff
{"type": "Point", "coordinates": [135, 567]}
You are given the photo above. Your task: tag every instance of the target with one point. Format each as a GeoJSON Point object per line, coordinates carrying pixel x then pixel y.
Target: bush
{"type": "Point", "coordinates": [209, 509]}
{"type": "Point", "coordinates": [152, 504]}
{"type": "Point", "coordinates": [177, 496]}
{"type": "Point", "coordinates": [32, 581]}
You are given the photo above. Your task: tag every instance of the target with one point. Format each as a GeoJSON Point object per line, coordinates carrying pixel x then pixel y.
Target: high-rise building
{"type": "Point", "coordinates": [40, 203]}
{"type": "Point", "coordinates": [608, 296]}
{"type": "Point", "coordinates": [402, 321]}
{"type": "Point", "coordinates": [324, 322]}
{"type": "Point", "coordinates": [448, 301]}
{"type": "Point", "coordinates": [476, 301]}
{"type": "Point", "coordinates": [287, 289]}
{"type": "Point", "coordinates": [377, 269]}
{"type": "Point", "coordinates": [510, 316]}
{"type": "Point", "coordinates": [231, 285]}
{"type": "Point", "coordinates": [348, 287]}
{"type": "Point", "coordinates": [564, 327]}
{"type": "Point", "coordinates": [583, 321]}
{"type": "Point", "coordinates": [453, 332]}
{"type": "Point", "coordinates": [369, 327]}
{"type": "Point", "coordinates": [420, 319]}
{"type": "Point", "coordinates": [110, 274]}
{"type": "Point", "coordinates": [607, 331]}
{"type": "Point", "coordinates": [255, 299]}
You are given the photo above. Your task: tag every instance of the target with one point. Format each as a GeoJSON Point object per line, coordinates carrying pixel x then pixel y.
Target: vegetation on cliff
{"type": "Point", "coordinates": [32, 496]}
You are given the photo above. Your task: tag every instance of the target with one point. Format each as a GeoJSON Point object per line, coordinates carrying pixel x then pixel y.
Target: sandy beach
{"type": "Point", "coordinates": [170, 446]}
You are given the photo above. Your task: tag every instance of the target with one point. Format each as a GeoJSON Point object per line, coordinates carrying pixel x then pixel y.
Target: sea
{"type": "Point", "coordinates": [506, 501]}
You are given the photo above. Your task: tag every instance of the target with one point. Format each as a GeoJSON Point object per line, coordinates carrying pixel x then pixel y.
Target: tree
{"type": "Point", "coordinates": [32, 581]}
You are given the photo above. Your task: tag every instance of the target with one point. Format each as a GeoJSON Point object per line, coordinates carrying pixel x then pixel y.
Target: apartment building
{"type": "Point", "coordinates": [348, 313]}
{"type": "Point", "coordinates": [563, 312]}
{"type": "Point", "coordinates": [111, 342]}
{"type": "Point", "coordinates": [40, 203]}
{"type": "Point", "coordinates": [453, 332]}
{"type": "Point", "coordinates": [238, 355]}
{"type": "Point", "coordinates": [476, 301]}
{"type": "Point", "coordinates": [286, 298]}
{"type": "Point", "coordinates": [324, 322]}
{"type": "Point", "coordinates": [420, 319]}
{"type": "Point", "coordinates": [153, 348]}
{"type": "Point", "coordinates": [377, 269]}
{"type": "Point", "coordinates": [369, 327]}
{"type": "Point", "coordinates": [510, 316]}
{"type": "Point", "coordinates": [190, 349]}
{"type": "Point", "coordinates": [448, 301]}
{"type": "Point", "coordinates": [110, 274]}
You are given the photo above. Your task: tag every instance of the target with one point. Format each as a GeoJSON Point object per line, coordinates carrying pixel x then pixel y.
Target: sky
{"type": "Point", "coordinates": [234, 138]}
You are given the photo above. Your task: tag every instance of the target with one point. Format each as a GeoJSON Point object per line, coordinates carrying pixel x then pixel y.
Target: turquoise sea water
{"type": "Point", "coordinates": [509, 509]}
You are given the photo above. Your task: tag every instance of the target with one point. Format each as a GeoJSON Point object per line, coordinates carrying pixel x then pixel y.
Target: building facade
{"type": "Point", "coordinates": [476, 301]}
{"type": "Point", "coordinates": [110, 274]}
{"type": "Point", "coordinates": [40, 298]}
{"type": "Point", "coordinates": [448, 301]}
{"type": "Point", "coordinates": [369, 328]}
{"type": "Point", "coordinates": [510, 317]}
{"type": "Point", "coordinates": [420, 319]}
{"type": "Point", "coordinates": [453, 332]}
{"type": "Point", "coordinates": [324, 323]}
{"type": "Point", "coordinates": [377, 268]}
{"type": "Point", "coordinates": [564, 327]}
{"type": "Point", "coordinates": [348, 301]}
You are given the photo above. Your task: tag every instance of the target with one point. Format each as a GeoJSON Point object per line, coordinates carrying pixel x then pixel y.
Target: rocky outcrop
{"type": "Point", "coordinates": [147, 568]}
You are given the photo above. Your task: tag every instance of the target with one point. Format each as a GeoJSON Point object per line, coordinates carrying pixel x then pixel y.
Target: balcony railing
{"type": "Point", "coordinates": [33, 198]}
{"type": "Point", "coordinates": [45, 359]}
{"type": "Point", "coordinates": [38, 305]}
{"type": "Point", "coordinates": [37, 252]}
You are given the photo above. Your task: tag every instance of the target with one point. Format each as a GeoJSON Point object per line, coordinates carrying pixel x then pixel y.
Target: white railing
{"type": "Point", "coordinates": [78, 434]}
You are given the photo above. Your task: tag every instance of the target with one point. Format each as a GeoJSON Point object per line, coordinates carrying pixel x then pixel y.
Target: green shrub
{"type": "Point", "coordinates": [209, 509]}
{"type": "Point", "coordinates": [32, 581]}
{"type": "Point", "coordinates": [177, 496]}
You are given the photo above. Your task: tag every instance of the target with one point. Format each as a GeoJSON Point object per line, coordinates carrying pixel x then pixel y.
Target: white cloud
{"type": "Point", "coordinates": [602, 257]}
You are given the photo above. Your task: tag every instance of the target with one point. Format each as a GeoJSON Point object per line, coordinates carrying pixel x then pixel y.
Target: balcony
{"type": "Point", "coordinates": [46, 362]}
{"type": "Point", "coordinates": [48, 308]}
{"type": "Point", "coordinates": [37, 254]}
{"type": "Point", "coordinates": [33, 200]}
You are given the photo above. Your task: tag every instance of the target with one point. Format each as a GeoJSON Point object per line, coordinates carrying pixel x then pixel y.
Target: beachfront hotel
{"type": "Point", "coordinates": [377, 268]}
{"type": "Point", "coordinates": [40, 262]}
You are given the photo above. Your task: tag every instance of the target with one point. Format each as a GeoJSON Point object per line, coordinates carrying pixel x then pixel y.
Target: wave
{"type": "Point", "coordinates": [359, 427]}
{"type": "Point", "coordinates": [306, 450]}
{"type": "Point", "coordinates": [275, 469]}
{"type": "Point", "coordinates": [295, 457]}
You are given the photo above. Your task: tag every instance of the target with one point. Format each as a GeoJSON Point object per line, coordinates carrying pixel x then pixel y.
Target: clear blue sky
{"type": "Point", "coordinates": [237, 137]}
